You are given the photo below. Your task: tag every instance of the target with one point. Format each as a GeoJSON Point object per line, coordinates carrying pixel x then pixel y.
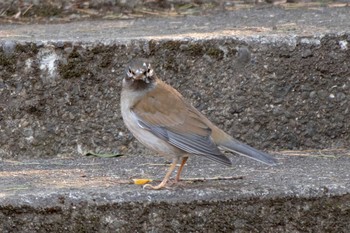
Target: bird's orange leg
{"type": "Point", "coordinates": [166, 178]}
{"type": "Point", "coordinates": [177, 179]}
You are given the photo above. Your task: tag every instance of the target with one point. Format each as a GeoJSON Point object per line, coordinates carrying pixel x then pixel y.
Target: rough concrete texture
{"type": "Point", "coordinates": [271, 77]}
{"type": "Point", "coordinates": [306, 192]}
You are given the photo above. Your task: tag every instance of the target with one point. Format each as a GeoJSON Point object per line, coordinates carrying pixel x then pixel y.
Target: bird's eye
{"type": "Point", "coordinates": [150, 72]}
{"type": "Point", "coordinates": [130, 73]}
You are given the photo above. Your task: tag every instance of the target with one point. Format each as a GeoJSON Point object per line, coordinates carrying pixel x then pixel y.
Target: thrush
{"type": "Point", "coordinates": [162, 120]}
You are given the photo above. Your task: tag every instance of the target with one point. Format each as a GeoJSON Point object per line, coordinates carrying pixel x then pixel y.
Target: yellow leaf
{"type": "Point", "coordinates": [141, 181]}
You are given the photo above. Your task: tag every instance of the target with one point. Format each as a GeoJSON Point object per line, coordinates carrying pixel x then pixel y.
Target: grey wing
{"type": "Point", "coordinates": [191, 143]}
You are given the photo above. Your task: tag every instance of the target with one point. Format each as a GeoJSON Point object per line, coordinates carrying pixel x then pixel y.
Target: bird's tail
{"type": "Point", "coordinates": [236, 146]}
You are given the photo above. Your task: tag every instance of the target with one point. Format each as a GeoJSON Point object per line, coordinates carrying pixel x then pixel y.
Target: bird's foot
{"type": "Point", "coordinates": [162, 185]}
{"type": "Point", "coordinates": [165, 185]}
{"type": "Point", "coordinates": [152, 187]}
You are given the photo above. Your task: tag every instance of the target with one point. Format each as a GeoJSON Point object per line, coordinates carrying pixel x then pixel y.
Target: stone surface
{"type": "Point", "coordinates": [275, 78]}
{"type": "Point", "coordinates": [269, 83]}
{"type": "Point", "coordinates": [307, 191]}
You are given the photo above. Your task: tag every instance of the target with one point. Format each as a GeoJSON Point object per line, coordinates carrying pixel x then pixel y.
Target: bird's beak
{"type": "Point", "coordinates": [139, 77]}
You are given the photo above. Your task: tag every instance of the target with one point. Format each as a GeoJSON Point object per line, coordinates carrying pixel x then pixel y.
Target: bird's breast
{"type": "Point", "coordinates": [128, 99]}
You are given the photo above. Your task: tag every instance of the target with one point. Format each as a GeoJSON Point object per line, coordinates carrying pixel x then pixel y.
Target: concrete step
{"type": "Point", "coordinates": [307, 191]}
{"type": "Point", "coordinates": [274, 78]}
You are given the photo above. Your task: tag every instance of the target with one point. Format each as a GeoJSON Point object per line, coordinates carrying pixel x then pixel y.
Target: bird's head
{"type": "Point", "coordinates": [140, 71]}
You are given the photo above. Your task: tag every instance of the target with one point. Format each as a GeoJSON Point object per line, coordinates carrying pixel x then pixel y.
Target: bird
{"type": "Point", "coordinates": [161, 119]}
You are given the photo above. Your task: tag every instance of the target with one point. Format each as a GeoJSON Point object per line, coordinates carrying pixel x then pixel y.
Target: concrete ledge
{"type": "Point", "coordinates": [308, 191]}
{"type": "Point", "coordinates": [270, 83]}
{"type": "Point", "coordinates": [273, 78]}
